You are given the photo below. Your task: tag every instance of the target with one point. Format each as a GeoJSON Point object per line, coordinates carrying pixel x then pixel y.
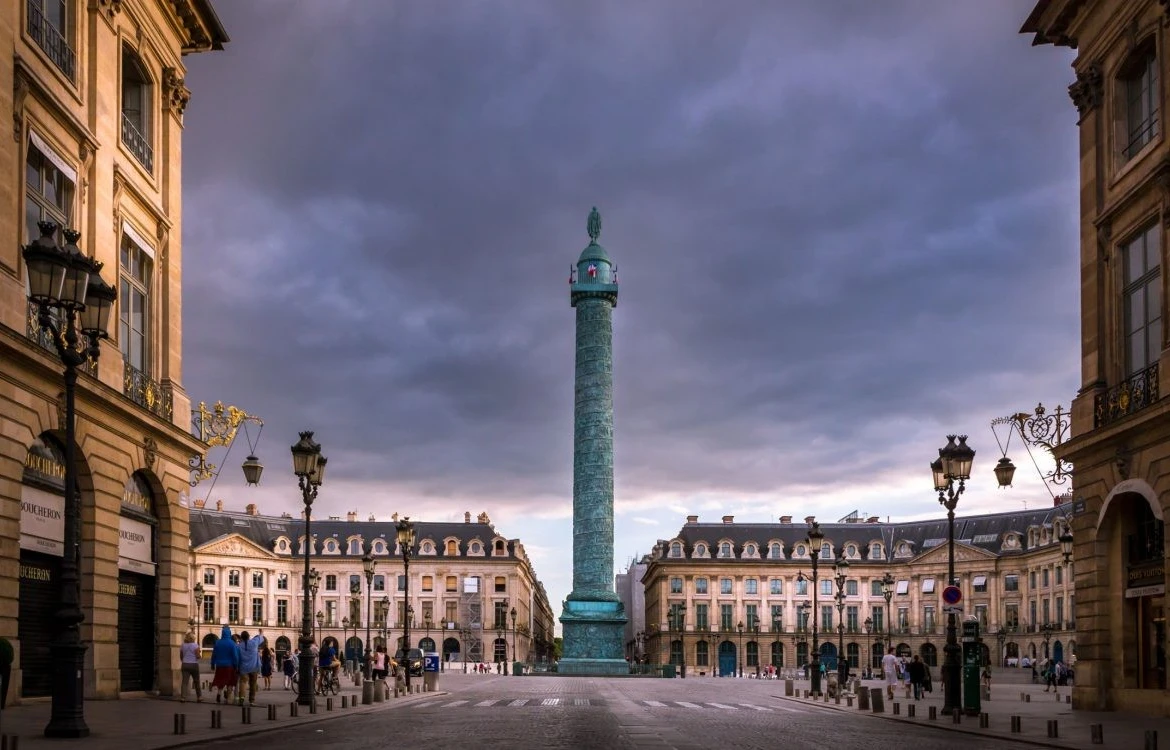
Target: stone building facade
{"type": "Point", "coordinates": [95, 93]}
{"type": "Point", "coordinates": [726, 576]}
{"type": "Point", "coordinates": [1120, 423]}
{"type": "Point", "coordinates": [465, 581]}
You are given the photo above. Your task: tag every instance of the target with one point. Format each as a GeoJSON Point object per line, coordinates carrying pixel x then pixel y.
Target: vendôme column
{"type": "Point", "coordinates": [593, 619]}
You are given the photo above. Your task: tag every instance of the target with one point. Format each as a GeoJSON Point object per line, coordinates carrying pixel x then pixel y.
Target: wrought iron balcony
{"type": "Point", "coordinates": [1127, 397]}
{"type": "Point", "coordinates": [146, 392]}
{"type": "Point", "coordinates": [138, 144]}
{"type": "Point", "coordinates": [49, 38]}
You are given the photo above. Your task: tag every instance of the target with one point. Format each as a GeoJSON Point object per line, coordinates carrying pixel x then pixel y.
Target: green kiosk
{"type": "Point", "coordinates": [972, 665]}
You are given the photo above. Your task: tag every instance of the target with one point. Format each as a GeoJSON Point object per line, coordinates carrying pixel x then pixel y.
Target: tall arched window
{"type": "Point", "coordinates": [676, 549]}
{"type": "Point", "coordinates": [136, 108]}
{"type": "Point", "coordinates": [1137, 96]}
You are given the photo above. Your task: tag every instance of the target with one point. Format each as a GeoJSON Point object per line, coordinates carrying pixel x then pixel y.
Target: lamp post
{"type": "Point", "coordinates": [756, 635]}
{"type": "Point", "coordinates": [405, 531]}
{"type": "Point", "coordinates": [515, 654]}
{"type": "Point", "coordinates": [1000, 637]}
{"type": "Point", "coordinates": [951, 471]}
{"type": "Point", "coordinates": [841, 568]}
{"type": "Point", "coordinates": [815, 538]}
{"type": "Point", "coordinates": [775, 640]}
{"type": "Point", "coordinates": [739, 627]}
{"type": "Point", "coordinates": [309, 467]}
{"type": "Point", "coordinates": [802, 611]}
{"type": "Point", "coordinates": [198, 617]}
{"type": "Point", "coordinates": [639, 647]}
{"type": "Point", "coordinates": [345, 641]}
{"type": "Point", "coordinates": [887, 594]}
{"type": "Point", "coordinates": [869, 662]}
{"type": "Point", "coordinates": [1046, 631]}
{"type": "Point", "coordinates": [369, 565]}
{"type": "Point", "coordinates": [73, 303]}
{"type": "Point", "coordinates": [321, 624]}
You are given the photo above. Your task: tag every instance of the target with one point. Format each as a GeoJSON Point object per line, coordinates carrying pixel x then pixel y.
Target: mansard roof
{"type": "Point", "coordinates": [983, 531]}
{"type": "Point", "coordinates": [207, 525]}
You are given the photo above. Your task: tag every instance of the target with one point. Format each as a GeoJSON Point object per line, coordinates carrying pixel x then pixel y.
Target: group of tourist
{"type": "Point", "coordinates": [239, 661]}
{"type": "Point", "coordinates": [913, 674]}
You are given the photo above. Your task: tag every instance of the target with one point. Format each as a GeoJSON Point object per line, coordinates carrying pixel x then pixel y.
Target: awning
{"type": "Point", "coordinates": [903, 587]}
{"type": "Point", "coordinates": [979, 580]}
{"type": "Point", "coordinates": [928, 586]}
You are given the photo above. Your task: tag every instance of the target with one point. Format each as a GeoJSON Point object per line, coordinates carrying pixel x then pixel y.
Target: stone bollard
{"type": "Point", "coordinates": [984, 721]}
{"type": "Point", "coordinates": [313, 706]}
{"type": "Point", "coordinates": [805, 693]}
{"type": "Point", "coordinates": [863, 699]}
{"type": "Point", "coordinates": [379, 691]}
{"type": "Point", "coordinates": [216, 718]}
{"type": "Point", "coordinates": [1151, 739]}
{"type": "Point", "coordinates": [849, 701]}
{"type": "Point", "coordinates": [418, 688]}
{"type": "Point", "coordinates": [789, 688]}
{"type": "Point", "coordinates": [272, 712]}
{"type": "Point", "coordinates": [877, 700]}
{"type": "Point", "coordinates": [1058, 697]}
{"type": "Point", "coordinates": [1053, 732]}
{"type": "Point", "coordinates": [1097, 734]}
{"type": "Point", "coordinates": [1022, 696]}
{"type": "Point", "coordinates": [328, 704]}
{"type": "Point", "coordinates": [985, 693]}
{"type": "Point", "coordinates": [838, 697]}
{"type": "Point", "coordinates": [245, 714]}
{"type": "Point", "coordinates": [367, 693]}
{"type": "Point", "coordinates": [345, 701]}
{"type": "Point", "coordinates": [9, 742]}
{"type": "Point", "coordinates": [932, 713]}
{"type": "Point", "coordinates": [1016, 725]}
{"type": "Point", "coordinates": [180, 724]}
{"type": "Point", "coordinates": [957, 715]}
{"type": "Point", "coordinates": [909, 710]}
{"type": "Point", "coordinates": [897, 709]}
{"type": "Point", "coordinates": [292, 710]}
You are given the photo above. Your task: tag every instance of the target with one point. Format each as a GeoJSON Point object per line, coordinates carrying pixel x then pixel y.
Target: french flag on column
{"type": "Point", "coordinates": [592, 270]}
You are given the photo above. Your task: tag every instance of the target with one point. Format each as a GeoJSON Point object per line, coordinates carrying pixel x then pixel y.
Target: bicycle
{"type": "Point", "coordinates": [329, 682]}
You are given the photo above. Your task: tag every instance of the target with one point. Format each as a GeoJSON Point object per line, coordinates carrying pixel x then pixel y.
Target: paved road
{"type": "Point", "coordinates": [576, 712]}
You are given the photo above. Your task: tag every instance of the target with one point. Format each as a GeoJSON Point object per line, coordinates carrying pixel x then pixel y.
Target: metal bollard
{"type": "Point", "coordinates": [877, 700]}
{"type": "Point", "coordinates": [1068, 699]}
{"type": "Point", "coordinates": [216, 719]}
{"type": "Point", "coordinates": [245, 714]}
{"type": "Point", "coordinates": [180, 724]}
{"type": "Point", "coordinates": [863, 699]}
{"type": "Point", "coordinates": [345, 701]}
{"type": "Point", "coordinates": [1097, 734]}
{"type": "Point", "coordinates": [328, 704]}
{"type": "Point", "coordinates": [9, 742]}
{"type": "Point", "coordinates": [313, 706]}
{"type": "Point", "coordinates": [1052, 730]}
{"type": "Point", "coordinates": [1016, 725]}
{"type": "Point", "coordinates": [272, 712]}
{"type": "Point", "coordinates": [897, 709]}
{"type": "Point", "coordinates": [367, 692]}
{"type": "Point", "coordinates": [932, 712]}
{"type": "Point", "coordinates": [849, 701]}
{"type": "Point", "coordinates": [292, 710]}
{"type": "Point", "coordinates": [1151, 739]}
{"type": "Point", "coordinates": [788, 688]}
{"type": "Point", "coordinates": [909, 710]}
{"type": "Point", "coordinates": [838, 697]}
{"type": "Point", "coordinates": [957, 716]}
{"type": "Point", "coordinates": [984, 721]}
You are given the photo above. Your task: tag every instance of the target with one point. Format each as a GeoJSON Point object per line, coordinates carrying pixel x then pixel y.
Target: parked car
{"type": "Point", "coordinates": [415, 660]}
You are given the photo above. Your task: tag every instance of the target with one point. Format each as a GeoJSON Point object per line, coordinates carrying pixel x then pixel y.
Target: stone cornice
{"type": "Point", "coordinates": [1088, 90]}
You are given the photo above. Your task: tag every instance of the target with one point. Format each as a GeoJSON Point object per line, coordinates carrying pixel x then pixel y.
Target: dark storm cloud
{"type": "Point", "coordinates": [840, 229]}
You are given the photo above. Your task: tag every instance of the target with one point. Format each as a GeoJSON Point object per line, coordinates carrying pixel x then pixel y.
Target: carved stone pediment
{"type": "Point", "coordinates": [233, 544]}
{"type": "Point", "coordinates": [963, 553]}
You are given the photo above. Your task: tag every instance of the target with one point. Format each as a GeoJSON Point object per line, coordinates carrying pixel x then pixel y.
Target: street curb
{"type": "Point", "coordinates": [307, 721]}
{"type": "Point", "coordinates": [941, 726]}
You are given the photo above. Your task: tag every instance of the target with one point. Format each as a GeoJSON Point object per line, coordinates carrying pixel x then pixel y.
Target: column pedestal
{"type": "Point", "coordinates": [594, 632]}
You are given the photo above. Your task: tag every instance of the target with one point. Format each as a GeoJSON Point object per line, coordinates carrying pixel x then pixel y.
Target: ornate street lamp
{"type": "Point", "coordinates": [1000, 637]}
{"type": "Point", "coordinates": [776, 641]}
{"type": "Point", "coordinates": [321, 624]}
{"type": "Point", "coordinates": [199, 594]}
{"type": "Point", "coordinates": [951, 471]}
{"type": "Point", "coordinates": [386, 622]}
{"type": "Point", "coordinates": [1066, 545]}
{"type": "Point", "coordinates": [515, 655]}
{"type": "Point", "coordinates": [815, 538]}
{"type": "Point", "coordinates": [756, 635]}
{"type": "Point", "coordinates": [887, 594]}
{"type": "Point", "coordinates": [309, 467]}
{"type": "Point", "coordinates": [1046, 631]}
{"type": "Point", "coordinates": [841, 568]}
{"type": "Point", "coordinates": [73, 308]}
{"type": "Point", "coordinates": [868, 629]}
{"type": "Point", "coordinates": [405, 531]}
{"type": "Point", "coordinates": [739, 627]}
{"type": "Point", "coordinates": [345, 640]}
{"type": "Point", "coordinates": [369, 565]}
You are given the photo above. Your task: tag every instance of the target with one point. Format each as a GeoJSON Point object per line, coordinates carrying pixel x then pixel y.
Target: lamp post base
{"type": "Point", "coordinates": [952, 675]}
{"type": "Point", "coordinates": [814, 671]}
{"type": "Point", "coordinates": [67, 719]}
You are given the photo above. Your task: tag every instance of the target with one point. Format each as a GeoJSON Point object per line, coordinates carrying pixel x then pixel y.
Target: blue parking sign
{"type": "Point", "coordinates": [430, 662]}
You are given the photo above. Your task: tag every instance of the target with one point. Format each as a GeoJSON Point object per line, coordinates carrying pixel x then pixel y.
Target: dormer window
{"type": "Point", "coordinates": [475, 548]}
{"type": "Point", "coordinates": [499, 548]}
{"type": "Point", "coordinates": [452, 548]}
{"type": "Point", "coordinates": [725, 549]}
{"type": "Point", "coordinates": [800, 550]}
{"type": "Point", "coordinates": [749, 550]}
{"type": "Point", "coordinates": [775, 551]}
{"type": "Point", "coordinates": [426, 548]}
{"type": "Point", "coordinates": [700, 550]}
{"type": "Point", "coordinates": [331, 547]}
{"type": "Point", "coordinates": [826, 551]}
{"type": "Point", "coordinates": [875, 551]}
{"type": "Point", "coordinates": [851, 551]}
{"type": "Point", "coordinates": [136, 107]}
{"type": "Point", "coordinates": [676, 549]}
{"type": "Point", "coordinates": [355, 547]}
{"type": "Point", "coordinates": [379, 547]}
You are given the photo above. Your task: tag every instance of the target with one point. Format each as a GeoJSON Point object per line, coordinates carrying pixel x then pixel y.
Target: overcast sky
{"type": "Point", "coordinates": [843, 228]}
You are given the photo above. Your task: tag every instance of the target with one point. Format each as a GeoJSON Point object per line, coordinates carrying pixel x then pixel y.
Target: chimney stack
{"type": "Point", "coordinates": [251, 509]}
{"type": "Point", "coordinates": [873, 519]}
{"type": "Point", "coordinates": [692, 519]}
{"type": "Point", "coordinates": [371, 518]}
{"type": "Point", "coordinates": [219, 504]}
{"type": "Point", "coordinates": [809, 519]}
{"type": "Point", "coordinates": [786, 519]}
{"type": "Point", "coordinates": [351, 516]}
{"type": "Point", "coordinates": [729, 519]}
{"type": "Point", "coordinates": [201, 502]}
{"type": "Point", "coordinates": [467, 516]}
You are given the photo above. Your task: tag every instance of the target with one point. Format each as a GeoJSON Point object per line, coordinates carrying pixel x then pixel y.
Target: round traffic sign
{"type": "Point", "coordinates": [952, 595]}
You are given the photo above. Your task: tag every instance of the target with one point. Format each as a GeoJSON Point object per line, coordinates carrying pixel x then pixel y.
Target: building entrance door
{"type": "Point", "coordinates": [727, 659]}
{"type": "Point", "coordinates": [40, 582]}
{"type": "Point", "coordinates": [136, 631]}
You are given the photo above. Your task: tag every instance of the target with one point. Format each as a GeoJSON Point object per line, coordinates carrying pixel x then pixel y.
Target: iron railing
{"type": "Point", "coordinates": [146, 392]}
{"type": "Point", "coordinates": [45, 340]}
{"type": "Point", "coordinates": [50, 39]}
{"type": "Point", "coordinates": [1127, 397]}
{"type": "Point", "coordinates": [138, 144]}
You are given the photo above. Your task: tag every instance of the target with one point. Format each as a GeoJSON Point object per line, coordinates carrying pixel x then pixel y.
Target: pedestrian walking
{"type": "Point", "coordinates": [890, 671]}
{"type": "Point", "coordinates": [266, 661]}
{"type": "Point", "coordinates": [249, 665]}
{"type": "Point", "coordinates": [289, 668]}
{"type": "Point", "coordinates": [917, 671]}
{"type": "Point", "coordinates": [189, 668]}
{"type": "Point", "coordinates": [225, 660]}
